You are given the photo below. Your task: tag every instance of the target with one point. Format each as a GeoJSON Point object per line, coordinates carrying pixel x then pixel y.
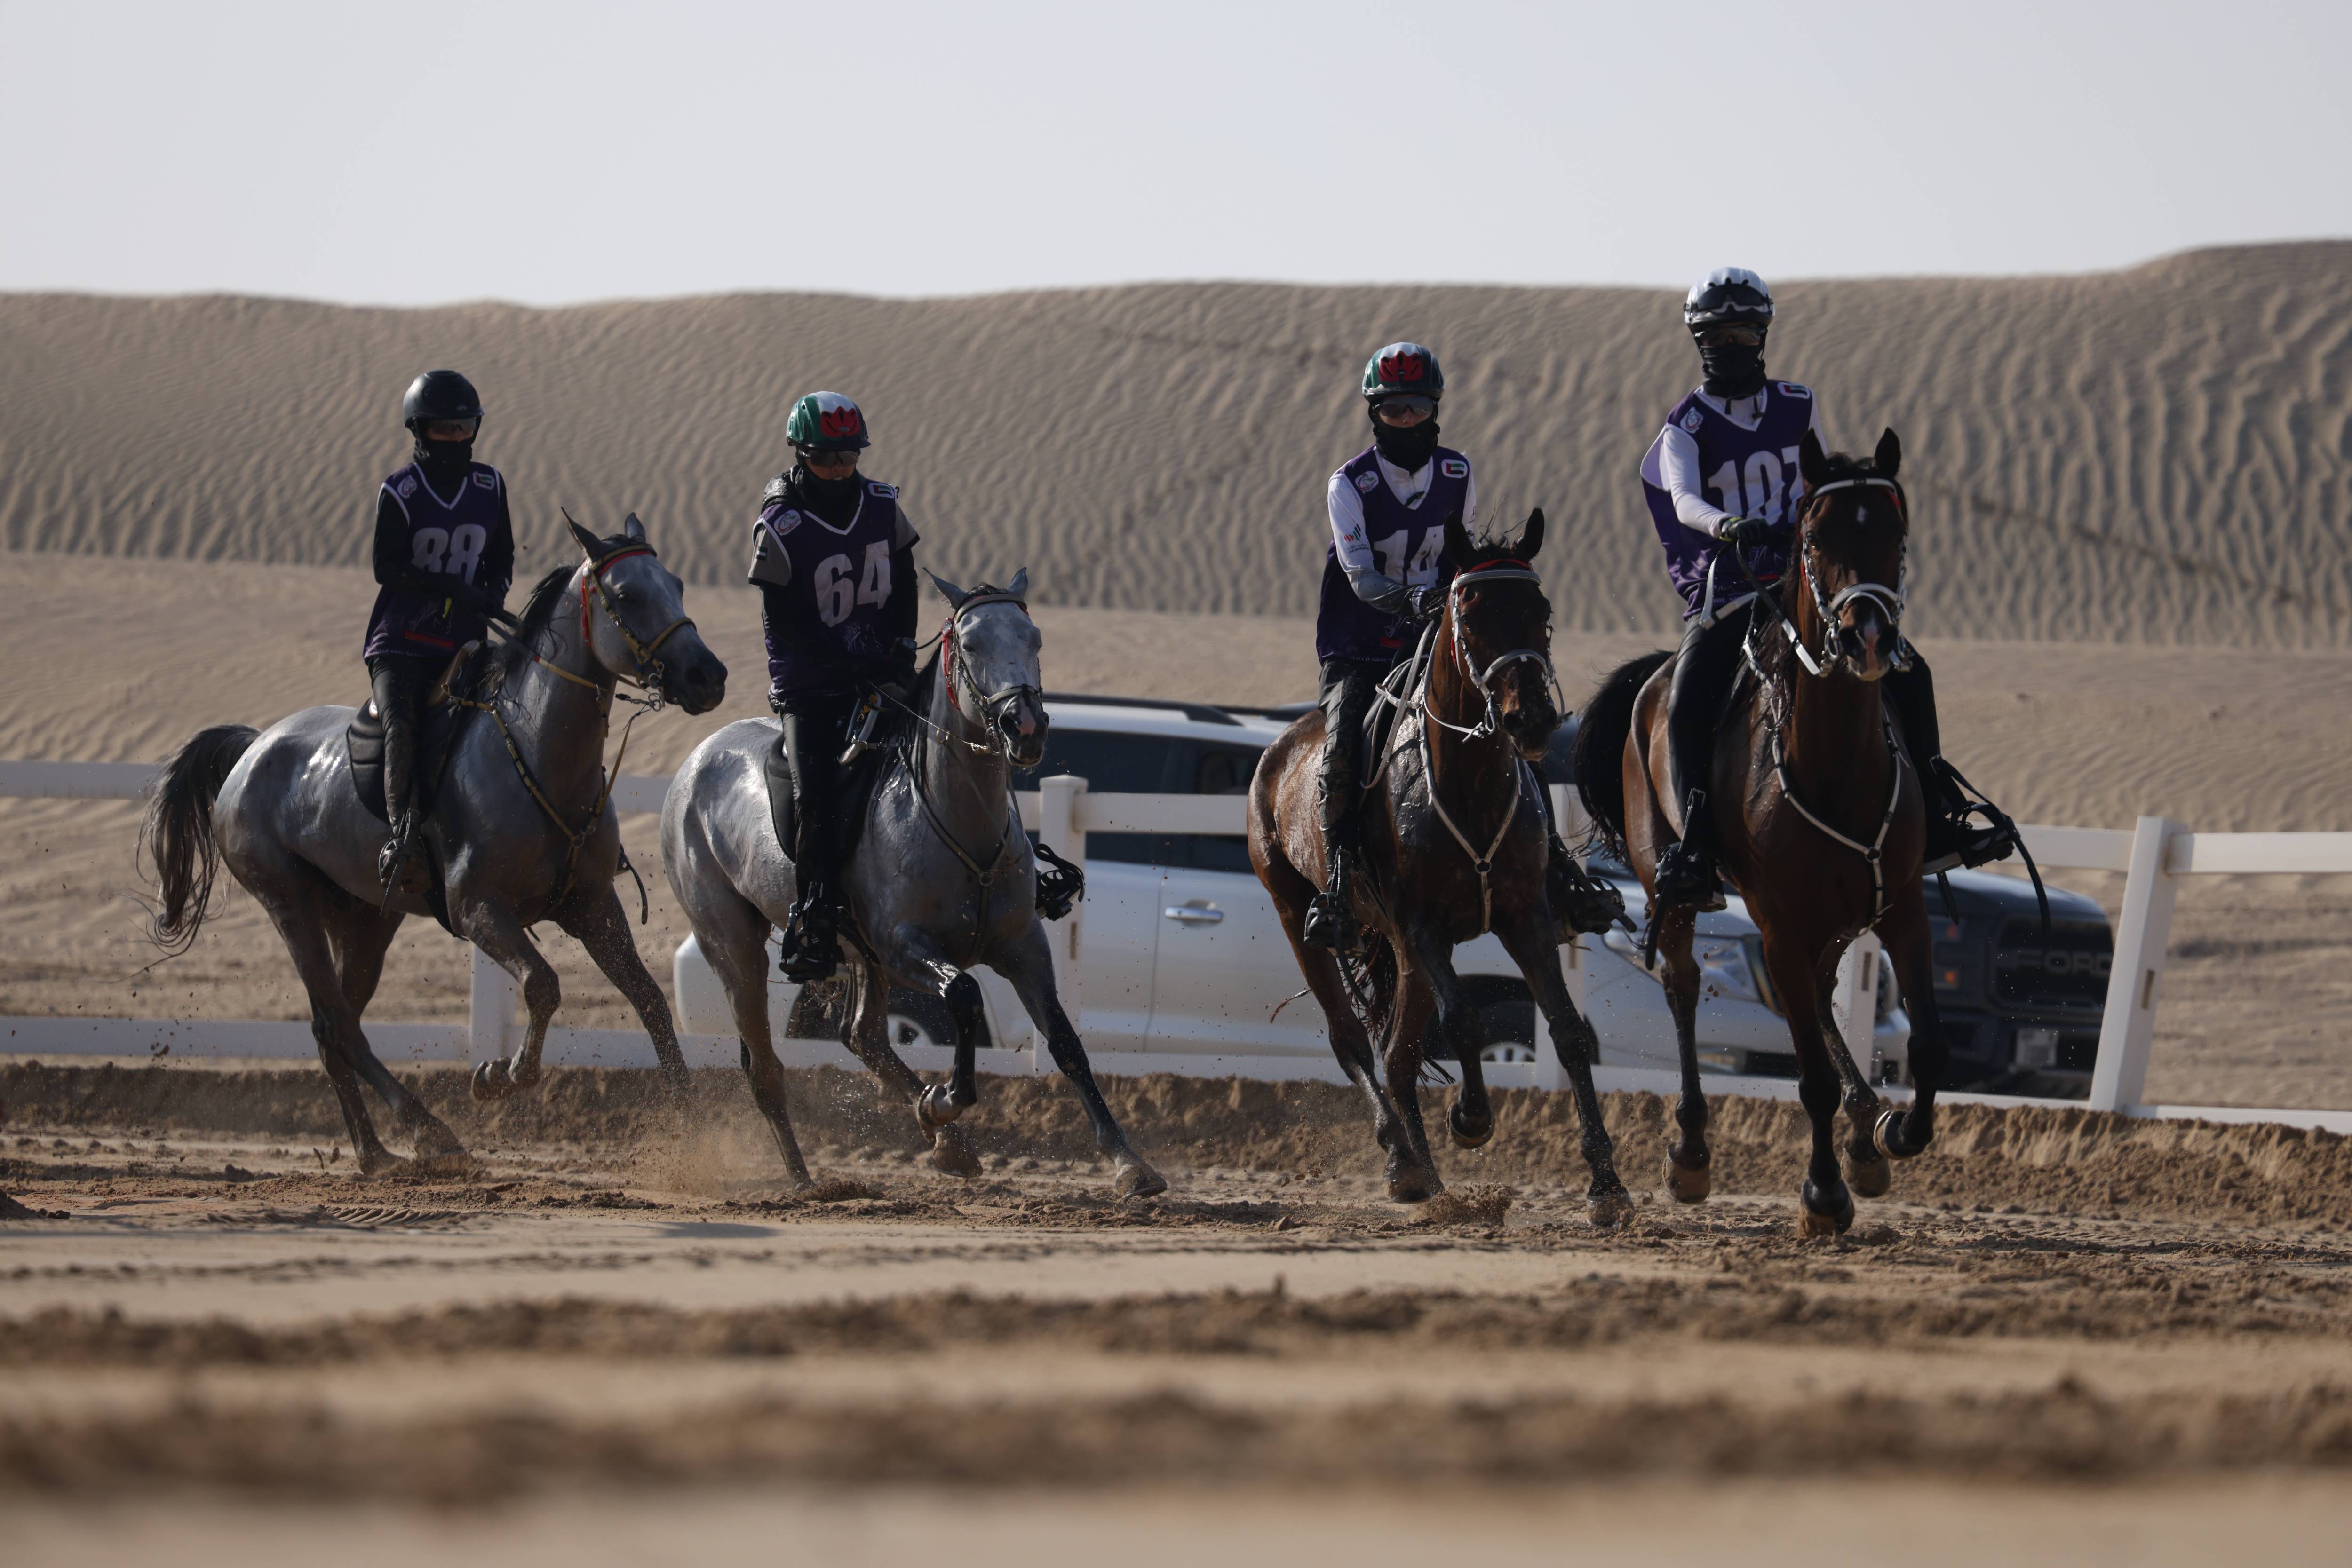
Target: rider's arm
{"type": "Point", "coordinates": [1354, 549]}
{"type": "Point", "coordinates": [392, 567]}
{"type": "Point", "coordinates": [770, 567]}
{"type": "Point", "coordinates": [1678, 468]}
{"type": "Point", "coordinates": [906, 599]}
{"type": "Point", "coordinates": [495, 572]}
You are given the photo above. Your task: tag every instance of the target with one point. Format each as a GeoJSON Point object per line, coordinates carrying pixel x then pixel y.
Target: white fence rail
{"type": "Point", "coordinates": [2153, 856]}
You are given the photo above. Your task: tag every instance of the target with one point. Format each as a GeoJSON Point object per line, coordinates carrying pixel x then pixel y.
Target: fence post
{"type": "Point", "coordinates": [1568, 810]}
{"type": "Point", "coordinates": [492, 1012]}
{"type": "Point", "coordinates": [1057, 827]}
{"type": "Point", "coordinates": [1855, 1004]}
{"type": "Point", "coordinates": [2120, 1076]}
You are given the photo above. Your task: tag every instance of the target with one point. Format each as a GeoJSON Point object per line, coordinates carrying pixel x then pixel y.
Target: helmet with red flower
{"type": "Point", "coordinates": [826, 421]}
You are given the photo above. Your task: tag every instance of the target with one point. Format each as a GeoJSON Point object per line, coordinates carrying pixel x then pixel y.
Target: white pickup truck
{"type": "Point", "coordinates": [1182, 952]}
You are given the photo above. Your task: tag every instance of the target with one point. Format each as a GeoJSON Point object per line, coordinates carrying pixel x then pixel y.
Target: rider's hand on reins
{"type": "Point", "coordinates": [1752, 533]}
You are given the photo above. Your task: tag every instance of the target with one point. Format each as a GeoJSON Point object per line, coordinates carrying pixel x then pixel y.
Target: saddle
{"type": "Point", "coordinates": [437, 730]}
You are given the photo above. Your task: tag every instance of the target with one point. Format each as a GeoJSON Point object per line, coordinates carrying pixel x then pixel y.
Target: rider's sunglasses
{"type": "Point", "coordinates": [1745, 336]}
{"type": "Point", "coordinates": [1404, 409]}
{"type": "Point", "coordinates": [828, 462]}
{"type": "Point", "coordinates": [451, 429]}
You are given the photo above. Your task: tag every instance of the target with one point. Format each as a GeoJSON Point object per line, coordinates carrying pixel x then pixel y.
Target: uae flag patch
{"type": "Point", "coordinates": [1454, 468]}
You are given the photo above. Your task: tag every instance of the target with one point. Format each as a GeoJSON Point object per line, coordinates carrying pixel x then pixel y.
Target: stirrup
{"type": "Point", "coordinates": [1581, 903]}
{"type": "Point", "coordinates": [1328, 913]}
{"type": "Point", "coordinates": [811, 948]}
{"type": "Point", "coordinates": [396, 867]}
{"type": "Point", "coordinates": [1687, 878]}
{"type": "Point", "coordinates": [1953, 840]}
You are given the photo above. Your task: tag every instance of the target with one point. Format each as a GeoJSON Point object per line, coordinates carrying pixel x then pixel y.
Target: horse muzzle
{"type": "Point", "coordinates": [1021, 724]}
{"type": "Point", "coordinates": [698, 682]}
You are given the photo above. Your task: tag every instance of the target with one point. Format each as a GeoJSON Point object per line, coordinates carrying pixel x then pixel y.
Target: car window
{"type": "Point", "coordinates": [1217, 768]}
{"type": "Point", "coordinates": [1115, 764]}
{"type": "Point", "coordinates": [1222, 769]}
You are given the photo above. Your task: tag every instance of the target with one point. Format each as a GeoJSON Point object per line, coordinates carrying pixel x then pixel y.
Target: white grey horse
{"type": "Point", "coordinates": [941, 877]}
{"type": "Point", "coordinates": [522, 828]}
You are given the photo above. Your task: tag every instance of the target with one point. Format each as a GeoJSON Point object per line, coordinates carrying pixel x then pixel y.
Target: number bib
{"type": "Point", "coordinates": [447, 537]}
{"type": "Point", "coordinates": [837, 581]}
{"type": "Point", "coordinates": [1408, 544]}
{"type": "Point", "coordinates": [1748, 472]}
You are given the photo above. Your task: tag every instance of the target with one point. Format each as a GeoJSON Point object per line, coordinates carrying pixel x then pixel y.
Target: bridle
{"type": "Point", "coordinates": [1483, 680]}
{"type": "Point", "coordinates": [957, 673]}
{"type": "Point", "coordinates": [1833, 658]}
{"type": "Point", "coordinates": [651, 673]}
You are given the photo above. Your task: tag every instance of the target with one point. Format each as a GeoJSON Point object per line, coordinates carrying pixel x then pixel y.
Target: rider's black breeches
{"type": "Point", "coordinates": [809, 752]}
{"type": "Point", "coordinates": [1912, 694]}
{"type": "Point", "coordinates": [400, 687]}
{"type": "Point", "coordinates": [1705, 667]}
{"type": "Point", "coordinates": [1348, 689]}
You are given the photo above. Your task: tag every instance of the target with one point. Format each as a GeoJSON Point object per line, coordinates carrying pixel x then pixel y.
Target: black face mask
{"type": "Point", "coordinates": [834, 500]}
{"type": "Point", "coordinates": [1409, 446]}
{"type": "Point", "coordinates": [444, 460]}
{"type": "Point", "coordinates": [1733, 370]}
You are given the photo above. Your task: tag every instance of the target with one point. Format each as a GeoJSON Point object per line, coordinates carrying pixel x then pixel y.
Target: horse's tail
{"type": "Point", "coordinates": [177, 835]}
{"type": "Point", "coordinates": [1602, 729]}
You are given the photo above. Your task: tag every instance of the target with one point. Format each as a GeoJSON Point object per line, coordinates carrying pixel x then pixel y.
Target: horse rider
{"type": "Point", "coordinates": [833, 558]}
{"type": "Point", "coordinates": [445, 555]}
{"type": "Point", "coordinates": [1385, 572]}
{"type": "Point", "coordinates": [1721, 478]}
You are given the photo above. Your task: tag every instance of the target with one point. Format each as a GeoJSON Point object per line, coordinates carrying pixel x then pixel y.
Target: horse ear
{"type": "Point", "coordinates": [948, 591]}
{"type": "Point", "coordinates": [589, 543]}
{"type": "Point", "coordinates": [1889, 456]}
{"type": "Point", "coordinates": [1018, 586]}
{"type": "Point", "coordinates": [1811, 462]}
{"type": "Point", "coordinates": [633, 529]}
{"type": "Point", "coordinates": [1531, 537]}
{"type": "Point", "coordinates": [1458, 548]}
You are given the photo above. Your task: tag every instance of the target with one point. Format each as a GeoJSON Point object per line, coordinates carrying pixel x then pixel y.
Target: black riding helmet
{"type": "Point", "coordinates": [435, 396]}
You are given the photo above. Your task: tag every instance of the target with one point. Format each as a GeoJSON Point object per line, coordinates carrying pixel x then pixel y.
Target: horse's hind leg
{"type": "Point", "coordinates": [599, 925]}
{"type": "Point", "coordinates": [733, 935]}
{"type": "Point", "coordinates": [495, 930]}
{"type": "Point", "coordinates": [869, 1040]}
{"type": "Point", "coordinates": [1412, 1172]}
{"type": "Point", "coordinates": [1472, 1119]}
{"type": "Point", "coordinates": [1030, 968]}
{"type": "Point", "coordinates": [1689, 1161]}
{"type": "Point", "coordinates": [1534, 946]}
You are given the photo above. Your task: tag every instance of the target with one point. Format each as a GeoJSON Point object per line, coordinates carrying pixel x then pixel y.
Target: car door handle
{"type": "Point", "coordinates": [1193, 915]}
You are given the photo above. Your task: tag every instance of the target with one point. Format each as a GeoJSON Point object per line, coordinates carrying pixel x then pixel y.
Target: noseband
{"type": "Point", "coordinates": [1833, 657]}
{"type": "Point", "coordinates": [989, 710]}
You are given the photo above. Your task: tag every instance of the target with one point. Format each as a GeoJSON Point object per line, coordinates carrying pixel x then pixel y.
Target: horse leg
{"type": "Point", "coordinates": [733, 935]}
{"type": "Point", "coordinates": [1900, 1135]}
{"type": "Point", "coordinates": [359, 941]}
{"type": "Point", "coordinates": [1412, 1170]}
{"type": "Point", "coordinates": [599, 925]}
{"type": "Point", "coordinates": [310, 927]}
{"type": "Point", "coordinates": [495, 930]}
{"type": "Point", "coordinates": [1349, 1043]}
{"type": "Point", "coordinates": [1030, 968]}
{"type": "Point", "coordinates": [911, 951]}
{"type": "Point", "coordinates": [868, 1038]}
{"type": "Point", "coordinates": [1828, 1207]}
{"type": "Point", "coordinates": [1533, 944]}
{"type": "Point", "coordinates": [1689, 1161]}
{"type": "Point", "coordinates": [1866, 1169]}
{"type": "Point", "coordinates": [1472, 1119]}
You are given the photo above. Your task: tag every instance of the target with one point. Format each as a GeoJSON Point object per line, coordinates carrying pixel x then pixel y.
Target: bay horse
{"type": "Point", "coordinates": [1819, 816]}
{"type": "Point", "coordinates": [940, 877]}
{"type": "Point", "coordinates": [1456, 846]}
{"type": "Point", "coordinates": [522, 826]}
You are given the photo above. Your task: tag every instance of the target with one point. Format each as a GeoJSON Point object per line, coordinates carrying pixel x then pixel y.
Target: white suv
{"type": "Point", "coordinates": [1182, 953]}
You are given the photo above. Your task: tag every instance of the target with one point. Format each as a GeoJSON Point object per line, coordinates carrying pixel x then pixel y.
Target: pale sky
{"type": "Point", "coordinates": [550, 153]}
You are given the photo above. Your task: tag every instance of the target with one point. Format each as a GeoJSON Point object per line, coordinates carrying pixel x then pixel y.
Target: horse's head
{"type": "Point", "coordinates": [1850, 537]}
{"type": "Point", "coordinates": [643, 633]}
{"type": "Point", "coordinates": [988, 663]}
{"type": "Point", "coordinates": [1498, 630]}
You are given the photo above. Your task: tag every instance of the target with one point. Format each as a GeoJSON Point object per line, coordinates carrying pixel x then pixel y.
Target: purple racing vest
{"type": "Point", "coordinates": [1748, 472]}
{"type": "Point", "coordinates": [1409, 545]}
{"type": "Point", "coordinates": [448, 538]}
{"type": "Point", "coordinates": [833, 583]}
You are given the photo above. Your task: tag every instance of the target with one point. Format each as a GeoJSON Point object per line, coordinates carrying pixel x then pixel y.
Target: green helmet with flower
{"type": "Point", "coordinates": [826, 421]}
{"type": "Point", "coordinates": [1402, 369]}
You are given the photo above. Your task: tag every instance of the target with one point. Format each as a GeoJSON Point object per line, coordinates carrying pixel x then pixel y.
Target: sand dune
{"type": "Point", "coordinates": [2162, 455]}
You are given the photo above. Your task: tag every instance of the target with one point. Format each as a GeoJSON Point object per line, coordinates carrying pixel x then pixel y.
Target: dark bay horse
{"type": "Point", "coordinates": [522, 826]}
{"type": "Point", "coordinates": [1456, 846]}
{"type": "Point", "coordinates": [1818, 814]}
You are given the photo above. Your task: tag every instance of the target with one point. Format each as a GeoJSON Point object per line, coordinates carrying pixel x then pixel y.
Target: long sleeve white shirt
{"type": "Point", "coordinates": [1673, 462]}
{"type": "Point", "coordinates": [1357, 558]}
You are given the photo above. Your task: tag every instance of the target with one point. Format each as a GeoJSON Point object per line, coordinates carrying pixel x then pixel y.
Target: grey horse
{"type": "Point", "coordinates": [522, 828]}
{"type": "Point", "coordinates": [941, 877]}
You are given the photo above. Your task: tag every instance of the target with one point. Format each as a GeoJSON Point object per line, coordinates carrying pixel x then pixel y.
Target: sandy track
{"type": "Point", "coordinates": [2154, 454]}
{"type": "Point", "coordinates": [615, 1306]}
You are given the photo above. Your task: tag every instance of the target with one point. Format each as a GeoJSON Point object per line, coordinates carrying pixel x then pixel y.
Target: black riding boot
{"type": "Point", "coordinates": [1705, 667]}
{"type": "Point", "coordinates": [1952, 840]}
{"type": "Point", "coordinates": [398, 686]}
{"type": "Point", "coordinates": [809, 748]}
{"type": "Point", "coordinates": [1348, 686]}
{"type": "Point", "coordinates": [1580, 902]}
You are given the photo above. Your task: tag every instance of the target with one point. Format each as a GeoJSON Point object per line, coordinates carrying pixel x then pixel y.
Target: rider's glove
{"type": "Point", "coordinates": [1427, 603]}
{"type": "Point", "coordinates": [1750, 533]}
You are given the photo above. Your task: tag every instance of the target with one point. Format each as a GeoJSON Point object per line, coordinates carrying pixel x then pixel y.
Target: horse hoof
{"type": "Point", "coordinates": [1469, 1135]}
{"type": "Point", "coordinates": [1825, 1214]}
{"type": "Point", "coordinates": [381, 1162]}
{"type": "Point", "coordinates": [1137, 1179]}
{"type": "Point", "coordinates": [1870, 1177]}
{"type": "Point", "coordinates": [1686, 1185]}
{"type": "Point", "coordinates": [952, 1153]}
{"type": "Point", "coordinates": [1888, 1133]}
{"type": "Point", "coordinates": [495, 1081]}
{"type": "Point", "coordinates": [1410, 1183]}
{"type": "Point", "coordinates": [1608, 1210]}
{"type": "Point", "coordinates": [936, 1106]}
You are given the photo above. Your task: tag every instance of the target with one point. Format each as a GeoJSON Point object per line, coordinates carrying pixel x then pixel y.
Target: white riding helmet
{"type": "Point", "coordinates": [1728, 294]}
